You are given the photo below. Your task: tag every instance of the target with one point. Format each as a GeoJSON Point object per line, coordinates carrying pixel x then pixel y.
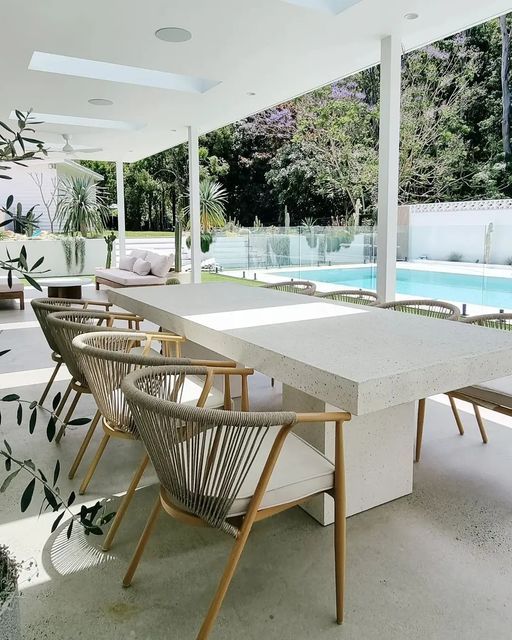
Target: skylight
{"type": "Point", "coordinates": [331, 6]}
{"type": "Point", "coordinates": [83, 68]}
{"type": "Point", "coordinates": [77, 121]}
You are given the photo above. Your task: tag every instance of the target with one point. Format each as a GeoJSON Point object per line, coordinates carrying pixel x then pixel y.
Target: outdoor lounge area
{"type": "Point", "coordinates": [297, 446]}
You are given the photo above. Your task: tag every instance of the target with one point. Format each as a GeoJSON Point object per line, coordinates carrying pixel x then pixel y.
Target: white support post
{"type": "Point", "coordinates": [389, 158]}
{"type": "Point", "coordinates": [121, 226]}
{"type": "Point", "coordinates": [194, 203]}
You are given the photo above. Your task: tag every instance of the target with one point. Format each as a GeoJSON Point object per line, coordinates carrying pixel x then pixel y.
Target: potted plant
{"type": "Point", "coordinates": [212, 199]}
{"type": "Point", "coordinates": [10, 627]}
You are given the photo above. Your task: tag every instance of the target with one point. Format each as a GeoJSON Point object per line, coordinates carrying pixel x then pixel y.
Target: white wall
{"type": "Point", "coordinates": [54, 258]}
{"type": "Point", "coordinates": [438, 230]}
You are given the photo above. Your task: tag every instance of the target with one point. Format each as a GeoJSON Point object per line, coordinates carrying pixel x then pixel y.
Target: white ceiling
{"type": "Point", "coordinates": [276, 49]}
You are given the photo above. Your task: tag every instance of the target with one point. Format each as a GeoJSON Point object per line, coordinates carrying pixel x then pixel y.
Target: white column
{"type": "Point", "coordinates": [389, 144]}
{"type": "Point", "coordinates": [121, 226]}
{"type": "Point", "coordinates": [194, 204]}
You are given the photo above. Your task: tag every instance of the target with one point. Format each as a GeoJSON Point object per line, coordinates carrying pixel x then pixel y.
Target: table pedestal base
{"type": "Point", "coordinates": [378, 453]}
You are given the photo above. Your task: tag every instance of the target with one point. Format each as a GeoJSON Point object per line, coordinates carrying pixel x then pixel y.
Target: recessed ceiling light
{"type": "Point", "coordinates": [251, 93]}
{"type": "Point", "coordinates": [97, 70]}
{"type": "Point", "coordinates": [77, 121]}
{"type": "Point", "coordinates": [100, 102]}
{"type": "Point", "coordinates": [173, 34]}
{"type": "Point", "coordinates": [173, 130]}
{"type": "Point", "coordinates": [412, 16]}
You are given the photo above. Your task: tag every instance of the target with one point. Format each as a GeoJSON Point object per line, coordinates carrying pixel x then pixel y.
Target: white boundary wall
{"type": "Point", "coordinates": [440, 229]}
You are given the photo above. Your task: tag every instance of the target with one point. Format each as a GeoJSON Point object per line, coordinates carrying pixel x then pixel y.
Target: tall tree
{"type": "Point", "coordinates": [505, 86]}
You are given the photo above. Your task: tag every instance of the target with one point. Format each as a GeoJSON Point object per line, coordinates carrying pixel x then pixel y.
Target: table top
{"type": "Point", "coordinates": [63, 282]}
{"type": "Point", "coordinates": [358, 358]}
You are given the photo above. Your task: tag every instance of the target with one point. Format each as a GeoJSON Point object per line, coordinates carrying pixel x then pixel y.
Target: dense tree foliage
{"type": "Point", "coordinates": [317, 156]}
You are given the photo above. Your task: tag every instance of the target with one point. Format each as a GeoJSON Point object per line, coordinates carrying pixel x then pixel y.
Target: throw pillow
{"type": "Point", "coordinates": [138, 253]}
{"type": "Point", "coordinates": [126, 262]}
{"type": "Point", "coordinates": [141, 267]}
{"type": "Point", "coordinates": [160, 265]}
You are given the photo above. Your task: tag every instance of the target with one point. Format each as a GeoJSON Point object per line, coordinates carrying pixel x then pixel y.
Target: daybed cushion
{"type": "Point", "coordinates": [498, 392]}
{"type": "Point", "coordinates": [128, 278]}
{"type": "Point", "coordinates": [141, 267]}
{"type": "Point", "coordinates": [126, 263]}
{"type": "Point", "coordinates": [138, 253]}
{"type": "Point", "coordinates": [16, 285]}
{"type": "Point", "coordinates": [160, 264]}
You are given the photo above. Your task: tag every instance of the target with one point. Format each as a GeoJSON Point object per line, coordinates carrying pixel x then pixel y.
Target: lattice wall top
{"type": "Point", "coordinates": [472, 205]}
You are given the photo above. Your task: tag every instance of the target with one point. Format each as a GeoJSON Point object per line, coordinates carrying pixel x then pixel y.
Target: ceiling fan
{"type": "Point", "coordinates": [68, 149]}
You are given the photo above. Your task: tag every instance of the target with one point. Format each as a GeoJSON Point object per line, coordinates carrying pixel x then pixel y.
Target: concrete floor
{"type": "Point", "coordinates": [434, 565]}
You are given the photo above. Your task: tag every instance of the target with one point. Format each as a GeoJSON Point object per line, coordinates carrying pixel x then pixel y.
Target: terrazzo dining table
{"type": "Point", "coordinates": [374, 363]}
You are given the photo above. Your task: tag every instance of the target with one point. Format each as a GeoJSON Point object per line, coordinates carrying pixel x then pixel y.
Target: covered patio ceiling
{"type": "Point", "coordinates": [243, 56]}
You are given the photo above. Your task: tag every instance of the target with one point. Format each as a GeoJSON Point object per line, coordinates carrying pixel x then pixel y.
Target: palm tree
{"type": "Point", "coordinates": [212, 206]}
{"type": "Point", "coordinates": [81, 207]}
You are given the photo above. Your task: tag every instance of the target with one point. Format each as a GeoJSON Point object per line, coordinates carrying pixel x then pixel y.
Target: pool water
{"type": "Point", "coordinates": [486, 290]}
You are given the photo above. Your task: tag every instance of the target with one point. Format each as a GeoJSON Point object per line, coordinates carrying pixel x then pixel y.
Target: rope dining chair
{"type": "Point", "coordinates": [353, 296]}
{"type": "Point", "coordinates": [305, 287]}
{"type": "Point", "coordinates": [64, 326]}
{"type": "Point", "coordinates": [106, 358]}
{"type": "Point", "coordinates": [44, 306]}
{"type": "Point", "coordinates": [431, 309]}
{"type": "Point", "coordinates": [495, 395]}
{"type": "Point", "coordinates": [230, 469]}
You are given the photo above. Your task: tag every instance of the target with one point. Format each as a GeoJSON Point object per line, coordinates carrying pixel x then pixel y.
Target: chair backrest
{"type": "Point", "coordinates": [305, 287]}
{"type": "Point", "coordinates": [201, 456]}
{"type": "Point", "coordinates": [424, 307]}
{"type": "Point", "coordinates": [105, 358]}
{"type": "Point", "coordinates": [492, 320]}
{"type": "Point", "coordinates": [66, 325]}
{"type": "Point", "coordinates": [44, 306]}
{"type": "Point", "coordinates": [354, 296]}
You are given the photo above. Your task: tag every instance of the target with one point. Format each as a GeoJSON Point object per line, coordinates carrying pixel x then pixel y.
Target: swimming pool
{"type": "Point", "coordinates": [486, 290]}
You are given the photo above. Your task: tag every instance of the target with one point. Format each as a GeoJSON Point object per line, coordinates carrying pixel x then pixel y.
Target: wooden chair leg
{"type": "Point", "coordinates": [50, 382]}
{"type": "Point", "coordinates": [146, 534]}
{"type": "Point", "coordinates": [125, 502]}
{"type": "Point", "coordinates": [84, 445]}
{"type": "Point", "coordinates": [481, 425]}
{"type": "Point", "coordinates": [456, 415]}
{"type": "Point", "coordinates": [225, 581]}
{"type": "Point", "coordinates": [94, 464]}
{"type": "Point", "coordinates": [68, 417]}
{"type": "Point", "coordinates": [419, 428]}
{"type": "Point", "coordinates": [64, 399]}
{"type": "Point", "coordinates": [340, 522]}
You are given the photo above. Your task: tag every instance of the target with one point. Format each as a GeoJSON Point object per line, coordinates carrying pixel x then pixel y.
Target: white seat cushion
{"type": "Point", "coordinates": [16, 285]}
{"type": "Point", "coordinates": [128, 278]}
{"type": "Point", "coordinates": [498, 392]}
{"type": "Point", "coordinates": [301, 471]}
{"type": "Point", "coordinates": [160, 264]}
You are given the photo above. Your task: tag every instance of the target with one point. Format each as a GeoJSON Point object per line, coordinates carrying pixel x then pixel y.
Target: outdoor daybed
{"type": "Point", "coordinates": [139, 269]}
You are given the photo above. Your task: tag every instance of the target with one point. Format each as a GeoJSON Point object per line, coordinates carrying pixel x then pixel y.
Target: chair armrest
{"type": "Point", "coordinates": [329, 416]}
{"type": "Point", "coordinates": [127, 317]}
{"type": "Point", "coordinates": [97, 303]}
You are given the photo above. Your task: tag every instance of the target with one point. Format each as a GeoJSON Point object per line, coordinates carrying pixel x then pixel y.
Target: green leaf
{"type": "Point", "coordinates": [9, 202]}
{"type": "Point", "coordinates": [57, 521]}
{"type": "Point", "coordinates": [51, 498]}
{"type": "Point", "coordinates": [29, 464]}
{"type": "Point", "coordinates": [70, 529]}
{"type": "Point", "coordinates": [37, 263]}
{"type": "Point", "coordinates": [107, 518]}
{"type": "Point", "coordinates": [56, 401]}
{"type": "Point", "coordinates": [8, 480]}
{"type": "Point", "coordinates": [19, 414]}
{"type": "Point", "coordinates": [32, 421]}
{"type": "Point", "coordinates": [71, 498]}
{"type": "Point", "coordinates": [43, 477]}
{"type": "Point", "coordinates": [79, 421]}
{"type": "Point", "coordinates": [8, 464]}
{"type": "Point", "coordinates": [2, 124]}
{"type": "Point", "coordinates": [33, 404]}
{"type": "Point", "coordinates": [32, 282]}
{"type": "Point", "coordinates": [8, 447]}
{"type": "Point", "coordinates": [50, 429]}
{"type": "Point", "coordinates": [56, 472]}
{"type": "Point", "coordinates": [11, 397]}
{"type": "Point", "coordinates": [26, 498]}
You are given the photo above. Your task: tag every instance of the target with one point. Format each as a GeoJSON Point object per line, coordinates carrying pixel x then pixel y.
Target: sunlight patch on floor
{"type": "Point", "coordinates": [29, 377]}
